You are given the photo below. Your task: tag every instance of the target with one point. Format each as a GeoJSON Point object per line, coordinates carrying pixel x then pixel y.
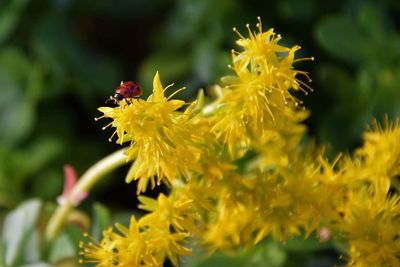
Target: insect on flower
{"type": "Point", "coordinates": [127, 89]}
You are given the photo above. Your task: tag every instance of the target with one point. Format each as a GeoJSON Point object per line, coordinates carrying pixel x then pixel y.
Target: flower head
{"type": "Point", "coordinates": [385, 142]}
{"type": "Point", "coordinates": [135, 246]}
{"type": "Point", "coordinates": [162, 141]}
{"type": "Point", "coordinates": [372, 226]}
{"type": "Point", "coordinates": [102, 253]}
{"type": "Point", "coordinates": [281, 189]}
{"type": "Point", "coordinates": [257, 97]}
{"type": "Point", "coordinates": [368, 210]}
{"type": "Point", "coordinates": [150, 240]}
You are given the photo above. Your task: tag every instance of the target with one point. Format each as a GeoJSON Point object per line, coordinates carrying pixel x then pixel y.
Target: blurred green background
{"type": "Point", "coordinates": [61, 59]}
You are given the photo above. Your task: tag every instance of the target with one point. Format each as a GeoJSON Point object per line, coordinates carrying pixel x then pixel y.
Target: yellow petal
{"type": "Point", "coordinates": [158, 94]}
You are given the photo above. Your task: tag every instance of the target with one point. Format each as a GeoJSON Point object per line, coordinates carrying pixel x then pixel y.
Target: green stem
{"type": "Point", "coordinates": [84, 184]}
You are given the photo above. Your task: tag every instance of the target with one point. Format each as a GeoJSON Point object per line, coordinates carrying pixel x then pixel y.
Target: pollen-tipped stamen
{"type": "Point", "coordinates": [108, 125]}
{"type": "Point", "coordinates": [303, 59]}
{"type": "Point", "coordinates": [99, 118]}
{"type": "Point", "coordinates": [167, 87]}
{"type": "Point", "coordinates": [174, 93]}
{"type": "Point", "coordinates": [259, 24]}
{"type": "Point", "coordinates": [238, 33]}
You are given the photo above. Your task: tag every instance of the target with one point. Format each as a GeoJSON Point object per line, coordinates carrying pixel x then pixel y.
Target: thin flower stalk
{"type": "Point", "coordinates": [84, 185]}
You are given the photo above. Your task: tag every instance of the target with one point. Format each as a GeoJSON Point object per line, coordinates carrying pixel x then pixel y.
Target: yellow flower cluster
{"type": "Point", "coordinates": [223, 197]}
{"type": "Point", "coordinates": [370, 210]}
{"type": "Point", "coordinates": [163, 142]}
{"type": "Point", "coordinates": [144, 243]}
{"type": "Point", "coordinates": [256, 99]}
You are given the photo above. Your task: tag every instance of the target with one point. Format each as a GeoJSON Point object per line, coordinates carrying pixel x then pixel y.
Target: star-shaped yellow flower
{"type": "Point", "coordinates": [163, 144]}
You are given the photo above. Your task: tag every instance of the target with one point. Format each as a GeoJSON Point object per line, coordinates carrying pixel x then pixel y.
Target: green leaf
{"type": "Point", "coordinates": [338, 84]}
{"type": "Point", "coordinates": [269, 252]}
{"type": "Point", "coordinates": [16, 112]}
{"type": "Point", "coordinates": [35, 86]}
{"type": "Point", "coordinates": [8, 187]}
{"type": "Point", "coordinates": [298, 244]}
{"type": "Point", "coordinates": [48, 182]}
{"type": "Point", "coordinates": [341, 37]}
{"type": "Point", "coordinates": [62, 248]}
{"type": "Point", "coordinates": [31, 251]}
{"type": "Point", "coordinates": [18, 225]}
{"type": "Point", "coordinates": [9, 17]}
{"type": "Point", "coordinates": [75, 234]}
{"type": "Point", "coordinates": [14, 66]}
{"type": "Point", "coordinates": [16, 121]}
{"type": "Point", "coordinates": [216, 260]}
{"type": "Point", "coordinates": [374, 20]}
{"type": "Point", "coordinates": [38, 154]}
{"type": "Point", "coordinates": [101, 220]}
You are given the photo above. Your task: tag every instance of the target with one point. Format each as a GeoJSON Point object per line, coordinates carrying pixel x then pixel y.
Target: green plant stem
{"type": "Point", "coordinates": [84, 184]}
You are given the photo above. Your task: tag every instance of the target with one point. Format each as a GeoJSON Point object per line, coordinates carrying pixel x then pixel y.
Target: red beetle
{"type": "Point", "coordinates": [128, 90]}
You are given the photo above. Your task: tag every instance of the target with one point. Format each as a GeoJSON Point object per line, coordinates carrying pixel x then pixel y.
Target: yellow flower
{"type": "Point", "coordinates": [381, 148]}
{"type": "Point", "coordinates": [262, 54]}
{"type": "Point", "coordinates": [136, 246]}
{"type": "Point", "coordinates": [282, 196]}
{"type": "Point", "coordinates": [103, 253]}
{"type": "Point", "coordinates": [372, 227]}
{"type": "Point", "coordinates": [367, 211]}
{"type": "Point", "coordinates": [163, 142]}
{"type": "Point", "coordinates": [177, 211]}
{"type": "Point", "coordinates": [257, 98]}
{"type": "Point", "coordinates": [281, 189]}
